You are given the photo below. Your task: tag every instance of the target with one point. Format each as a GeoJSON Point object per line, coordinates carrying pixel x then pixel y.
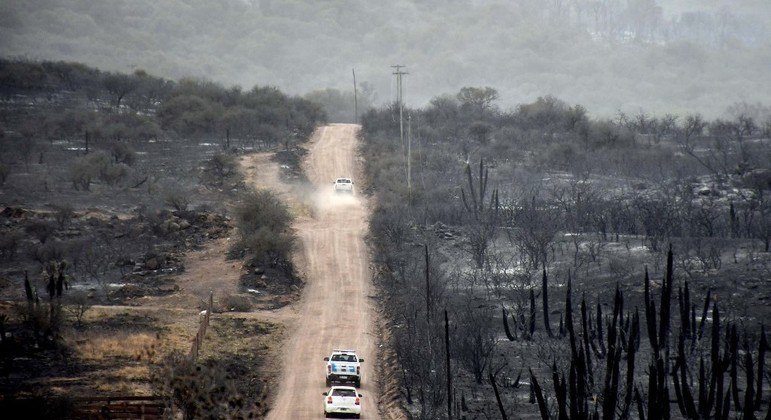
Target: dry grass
{"type": "Point", "coordinates": [97, 347]}
{"type": "Point", "coordinates": [133, 373]}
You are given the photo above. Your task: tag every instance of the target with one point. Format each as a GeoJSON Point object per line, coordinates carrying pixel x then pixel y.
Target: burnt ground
{"type": "Point", "coordinates": [125, 248]}
{"type": "Point", "coordinates": [739, 285]}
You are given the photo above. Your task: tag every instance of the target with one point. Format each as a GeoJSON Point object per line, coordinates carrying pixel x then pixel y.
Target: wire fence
{"type": "Point", "coordinates": [122, 407]}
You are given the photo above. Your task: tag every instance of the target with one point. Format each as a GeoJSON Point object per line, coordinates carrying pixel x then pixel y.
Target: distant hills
{"type": "Point", "coordinates": [630, 55]}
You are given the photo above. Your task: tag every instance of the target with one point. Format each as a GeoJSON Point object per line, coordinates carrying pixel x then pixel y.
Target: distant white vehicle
{"type": "Point", "coordinates": [344, 366]}
{"type": "Point", "coordinates": [342, 400]}
{"type": "Point", "coordinates": [343, 185]}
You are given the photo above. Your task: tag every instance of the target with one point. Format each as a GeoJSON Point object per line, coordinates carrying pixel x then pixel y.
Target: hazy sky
{"type": "Point", "coordinates": [680, 56]}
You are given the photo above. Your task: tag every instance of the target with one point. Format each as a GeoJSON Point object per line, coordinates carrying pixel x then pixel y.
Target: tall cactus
{"type": "Point", "coordinates": [666, 299]}
{"type": "Point", "coordinates": [733, 348]}
{"type": "Point", "coordinates": [631, 348]}
{"type": "Point", "coordinates": [749, 393]}
{"type": "Point", "coordinates": [610, 390]}
{"type": "Point", "coordinates": [475, 200]}
{"type": "Point", "coordinates": [545, 297]}
{"type": "Point", "coordinates": [578, 391]}
{"type": "Point", "coordinates": [560, 392]}
{"type": "Point", "coordinates": [569, 320]}
{"type": "Point", "coordinates": [531, 320]}
{"type": "Point", "coordinates": [486, 216]}
{"type": "Point", "coordinates": [650, 315]}
{"type": "Point", "coordinates": [587, 351]}
{"type": "Point", "coordinates": [542, 408]}
{"type": "Point", "coordinates": [704, 312]}
{"type": "Point", "coordinates": [658, 391]}
{"type": "Point", "coordinates": [762, 346]}
{"type": "Point", "coordinates": [28, 288]}
{"type": "Point", "coordinates": [511, 336]}
{"type": "Point", "coordinates": [682, 389]}
{"type": "Point", "coordinates": [602, 351]}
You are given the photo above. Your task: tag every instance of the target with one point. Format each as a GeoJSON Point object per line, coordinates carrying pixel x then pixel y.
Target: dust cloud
{"type": "Point", "coordinates": [325, 201]}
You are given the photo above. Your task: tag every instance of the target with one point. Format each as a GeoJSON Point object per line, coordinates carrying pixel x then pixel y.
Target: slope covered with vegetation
{"type": "Point", "coordinates": [107, 182]}
{"type": "Point", "coordinates": [674, 56]}
{"type": "Point", "coordinates": [586, 266]}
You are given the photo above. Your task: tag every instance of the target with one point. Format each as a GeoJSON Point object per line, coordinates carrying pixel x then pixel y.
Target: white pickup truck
{"type": "Point", "coordinates": [343, 185]}
{"type": "Point", "coordinates": [343, 366]}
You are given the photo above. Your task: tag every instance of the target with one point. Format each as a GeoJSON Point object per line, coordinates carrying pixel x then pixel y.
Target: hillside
{"type": "Point", "coordinates": [538, 263]}
{"type": "Point", "coordinates": [658, 57]}
{"type": "Point", "coordinates": [125, 210]}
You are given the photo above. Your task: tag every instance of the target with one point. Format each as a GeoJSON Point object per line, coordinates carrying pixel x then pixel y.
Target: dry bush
{"type": "Point", "coordinates": [49, 251]}
{"type": "Point", "coordinates": [122, 153]}
{"type": "Point", "coordinates": [220, 169]}
{"type": "Point", "coordinates": [236, 303]}
{"type": "Point", "coordinates": [87, 168]}
{"type": "Point", "coordinates": [201, 390]}
{"type": "Point", "coordinates": [114, 174]}
{"type": "Point", "coordinates": [175, 195]}
{"type": "Point", "coordinates": [9, 244]}
{"type": "Point", "coordinates": [78, 305]}
{"type": "Point", "coordinates": [63, 214]}
{"type": "Point", "coordinates": [41, 230]}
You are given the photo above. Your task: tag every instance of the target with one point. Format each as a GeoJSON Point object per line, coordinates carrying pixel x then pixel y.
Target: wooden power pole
{"type": "Point", "coordinates": [400, 103]}
{"type": "Point", "coordinates": [355, 99]}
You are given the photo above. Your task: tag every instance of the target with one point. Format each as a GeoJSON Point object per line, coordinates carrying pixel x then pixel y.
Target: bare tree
{"type": "Point", "coordinates": [119, 85]}
{"type": "Point", "coordinates": [475, 339]}
{"type": "Point", "coordinates": [535, 225]}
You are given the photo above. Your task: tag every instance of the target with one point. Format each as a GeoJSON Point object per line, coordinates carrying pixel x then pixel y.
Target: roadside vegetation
{"type": "Point", "coordinates": [585, 267]}
{"type": "Point", "coordinates": [107, 181]}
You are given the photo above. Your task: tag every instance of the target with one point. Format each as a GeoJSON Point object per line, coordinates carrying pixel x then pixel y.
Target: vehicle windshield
{"type": "Point", "coordinates": [343, 358]}
{"type": "Point", "coordinates": [344, 393]}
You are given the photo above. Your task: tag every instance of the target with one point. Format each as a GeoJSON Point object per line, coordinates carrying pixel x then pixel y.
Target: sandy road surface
{"type": "Point", "coordinates": [335, 310]}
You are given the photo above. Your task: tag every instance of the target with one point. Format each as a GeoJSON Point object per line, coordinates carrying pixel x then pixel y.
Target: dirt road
{"type": "Point", "coordinates": [335, 310]}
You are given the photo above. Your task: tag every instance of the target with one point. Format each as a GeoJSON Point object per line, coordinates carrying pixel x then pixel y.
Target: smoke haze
{"type": "Point", "coordinates": [679, 56]}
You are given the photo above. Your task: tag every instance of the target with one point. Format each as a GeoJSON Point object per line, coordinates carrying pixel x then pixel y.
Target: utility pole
{"type": "Point", "coordinates": [355, 99]}
{"type": "Point", "coordinates": [400, 103]}
{"type": "Point", "coordinates": [409, 158]}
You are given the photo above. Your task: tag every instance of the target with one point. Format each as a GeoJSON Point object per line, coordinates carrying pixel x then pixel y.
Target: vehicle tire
{"type": "Point", "coordinates": [358, 383]}
{"type": "Point", "coordinates": [357, 416]}
{"type": "Point", "coordinates": [329, 382]}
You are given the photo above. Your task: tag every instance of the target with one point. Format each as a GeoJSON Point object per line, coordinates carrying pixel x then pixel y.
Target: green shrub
{"type": "Point", "coordinates": [88, 168]}
{"type": "Point", "coordinates": [122, 153]}
{"type": "Point", "coordinates": [114, 174]}
{"type": "Point", "coordinates": [221, 168]}
{"type": "Point", "coordinates": [264, 227]}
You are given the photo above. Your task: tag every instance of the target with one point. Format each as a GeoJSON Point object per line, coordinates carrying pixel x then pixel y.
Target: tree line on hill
{"type": "Point", "coordinates": [73, 99]}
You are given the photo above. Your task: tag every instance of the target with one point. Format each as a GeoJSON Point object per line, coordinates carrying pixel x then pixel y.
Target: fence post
{"type": "Point", "coordinates": [202, 325]}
